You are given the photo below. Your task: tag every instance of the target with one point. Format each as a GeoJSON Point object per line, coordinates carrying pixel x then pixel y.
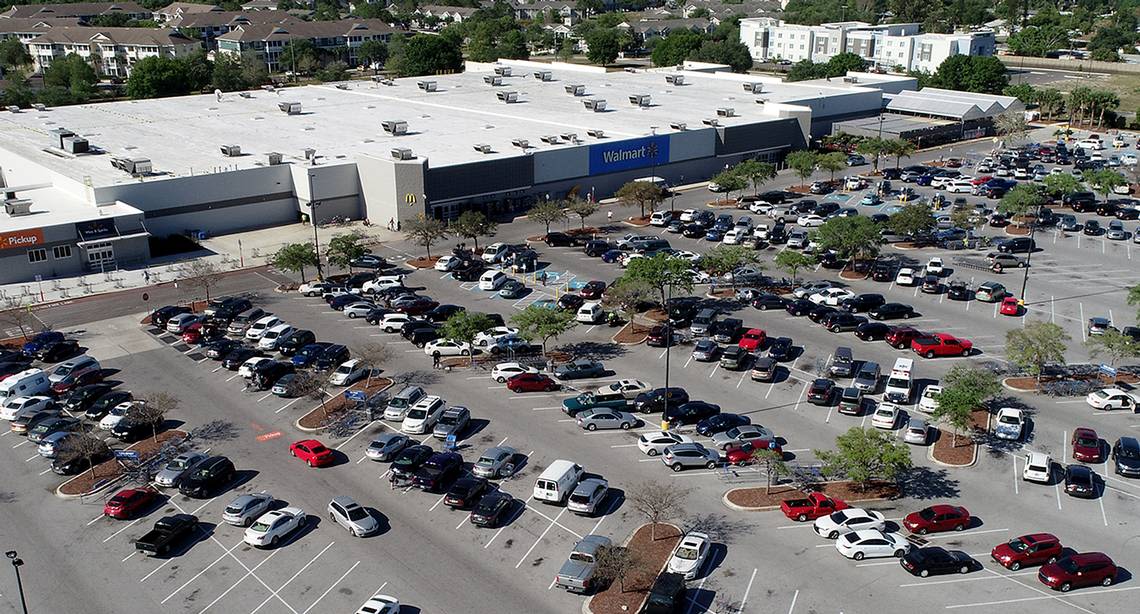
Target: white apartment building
{"type": "Point", "coordinates": [114, 50]}
{"type": "Point", "coordinates": [885, 46]}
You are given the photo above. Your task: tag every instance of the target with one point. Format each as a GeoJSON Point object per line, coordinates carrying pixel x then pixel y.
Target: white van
{"type": "Point", "coordinates": [25, 384]}
{"type": "Point", "coordinates": [494, 252]}
{"type": "Point", "coordinates": [72, 370]}
{"type": "Point", "coordinates": [590, 313]}
{"type": "Point", "coordinates": [270, 338]}
{"type": "Point", "coordinates": [899, 382]}
{"type": "Point", "coordinates": [258, 328]}
{"type": "Point", "coordinates": [491, 280]}
{"type": "Point", "coordinates": [660, 218]}
{"type": "Point", "coordinates": [1090, 144]}
{"type": "Point", "coordinates": [558, 481]}
{"type": "Point", "coordinates": [422, 416]}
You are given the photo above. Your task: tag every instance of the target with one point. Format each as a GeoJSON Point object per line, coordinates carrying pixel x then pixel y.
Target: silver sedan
{"type": "Point", "coordinates": [245, 508]}
{"type": "Point", "coordinates": [706, 350]}
{"type": "Point", "coordinates": [386, 446]}
{"type": "Point", "coordinates": [739, 435]}
{"type": "Point", "coordinates": [594, 419]}
{"type": "Point", "coordinates": [349, 514]}
{"type": "Point", "coordinates": [494, 462]}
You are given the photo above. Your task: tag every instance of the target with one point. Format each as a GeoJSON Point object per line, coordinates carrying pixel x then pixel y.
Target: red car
{"type": "Point", "coordinates": [937, 518]}
{"type": "Point", "coordinates": [91, 377]}
{"type": "Point", "coordinates": [127, 503]}
{"type": "Point", "coordinates": [1035, 549]}
{"type": "Point", "coordinates": [742, 455]}
{"type": "Point", "coordinates": [1086, 445]}
{"type": "Point", "coordinates": [593, 290]}
{"type": "Point", "coordinates": [1077, 570]}
{"type": "Point", "coordinates": [981, 180]}
{"type": "Point", "coordinates": [753, 339]}
{"type": "Point", "coordinates": [417, 306]}
{"type": "Point", "coordinates": [531, 382]}
{"type": "Point", "coordinates": [941, 344]}
{"type": "Point", "coordinates": [313, 452]}
{"type": "Point", "coordinates": [813, 506]}
{"type": "Point", "coordinates": [198, 332]}
{"type": "Point", "coordinates": [900, 336]}
{"type": "Point", "coordinates": [1010, 306]}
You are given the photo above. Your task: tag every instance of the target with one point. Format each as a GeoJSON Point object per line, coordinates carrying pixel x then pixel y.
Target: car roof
{"type": "Point", "coordinates": [1090, 557]}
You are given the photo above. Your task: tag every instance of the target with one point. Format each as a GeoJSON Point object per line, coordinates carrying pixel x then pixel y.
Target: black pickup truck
{"type": "Point", "coordinates": [166, 532]}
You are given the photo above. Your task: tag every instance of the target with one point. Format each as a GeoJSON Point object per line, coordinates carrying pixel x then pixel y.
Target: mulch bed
{"type": "Point", "coordinates": [423, 263]}
{"type": "Point", "coordinates": [656, 314]}
{"type": "Point", "coordinates": [722, 293]}
{"type": "Point", "coordinates": [587, 231]}
{"type": "Point", "coordinates": [1016, 230]}
{"type": "Point", "coordinates": [757, 498]}
{"type": "Point", "coordinates": [638, 221]}
{"type": "Point", "coordinates": [490, 360]}
{"type": "Point", "coordinates": [652, 554]}
{"type": "Point", "coordinates": [849, 274]}
{"type": "Point", "coordinates": [1029, 384]}
{"type": "Point", "coordinates": [316, 418]}
{"type": "Point", "coordinates": [196, 307]}
{"type": "Point", "coordinates": [800, 189]}
{"type": "Point", "coordinates": [722, 204]}
{"type": "Point", "coordinates": [631, 334]}
{"type": "Point", "coordinates": [86, 482]}
{"type": "Point", "coordinates": [962, 454]}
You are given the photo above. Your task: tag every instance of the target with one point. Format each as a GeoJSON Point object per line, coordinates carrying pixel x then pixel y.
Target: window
{"type": "Point", "coordinates": [37, 255]}
{"type": "Point", "coordinates": [61, 251]}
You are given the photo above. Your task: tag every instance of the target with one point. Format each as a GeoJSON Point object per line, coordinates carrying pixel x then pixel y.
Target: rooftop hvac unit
{"type": "Point", "coordinates": [503, 71]}
{"type": "Point", "coordinates": [520, 143]}
{"type": "Point", "coordinates": [761, 100]}
{"type": "Point", "coordinates": [60, 134]}
{"type": "Point", "coordinates": [595, 104]}
{"type": "Point", "coordinates": [507, 97]}
{"type": "Point", "coordinates": [382, 80]}
{"type": "Point", "coordinates": [493, 80]}
{"type": "Point", "coordinates": [310, 153]}
{"type": "Point", "coordinates": [427, 86]}
{"type": "Point", "coordinates": [597, 134]}
{"type": "Point", "coordinates": [482, 148]}
{"type": "Point", "coordinates": [726, 112]}
{"type": "Point", "coordinates": [711, 121]}
{"type": "Point", "coordinates": [245, 94]}
{"type": "Point", "coordinates": [39, 106]}
{"type": "Point", "coordinates": [678, 126]}
{"type": "Point", "coordinates": [290, 108]}
{"type": "Point", "coordinates": [403, 153]}
{"type": "Point", "coordinates": [268, 88]}
{"type": "Point", "coordinates": [13, 108]}
{"type": "Point", "coordinates": [395, 127]}
{"type": "Point", "coordinates": [274, 158]}
{"type": "Point", "coordinates": [755, 88]}
{"type": "Point", "coordinates": [675, 79]}
{"type": "Point", "coordinates": [134, 166]}
{"type": "Point", "coordinates": [850, 79]}
{"type": "Point", "coordinates": [569, 136]}
{"type": "Point", "coordinates": [231, 151]}
{"type": "Point", "coordinates": [543, 75]}
{"type": "Point", "coordinates": [75, 144]}
{"type": "Point", "coordinates": [551, 139]}
{"type": "Point", "coordinates": [576, 90]}
{"type": "Point", "coordinates": [640, 100]}
{"type": "Point", "coordinates": [15, 207]}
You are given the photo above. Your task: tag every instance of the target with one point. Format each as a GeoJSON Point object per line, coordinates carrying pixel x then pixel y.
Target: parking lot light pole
{"type": "Point", "coordinates": [313, 204]}
{"type": "Point", "coordinates": [16, 563]}
{"type": "Point", "coordinates": [668, 348]}
{"type": "Point", "coordinates": [1029, 254]}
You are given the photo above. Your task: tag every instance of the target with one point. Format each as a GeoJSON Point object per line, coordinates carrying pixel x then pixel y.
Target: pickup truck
{"type": "Point", "coordinates": [941, 344]}
{"type": "Point", "coordinates": [814, 506]}
{"type": "Point", "coordinates": [166, 532]}
{"type": "Point", "coordinates": [576, 573]}
{"type": "Point", "coordinates": [591, 400]}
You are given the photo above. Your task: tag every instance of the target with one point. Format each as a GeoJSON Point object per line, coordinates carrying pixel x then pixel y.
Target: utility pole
{"type": "Point", "coordinates": [17, 562]}
{"type": "Point", "coordinates": [313, 204]}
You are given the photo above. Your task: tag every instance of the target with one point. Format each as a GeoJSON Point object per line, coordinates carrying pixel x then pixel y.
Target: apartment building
{"type": "Point", "coordinates": [175, 10]}
{"type": "Point", "coordinates": [267, 40]}
{"type": "Point", "coordinates": [28, 29]}
{"type": "Point", "coordinates": [884, 46]}
{"type": "Point", "coordinates": [84, 11]}
{"type": "Point", "coordinates": [209, 26]}
{"type": "Point", "coordinates": [112, 50]}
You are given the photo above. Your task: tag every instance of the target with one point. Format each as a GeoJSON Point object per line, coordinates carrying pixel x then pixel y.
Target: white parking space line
{"type": "Point", "coordinates": [960, 533]}
{"type": "Point", "coordinates": [747, 589]}
{"type": "Point", "coordinates": [116, 533]}
{"type": "Point", "coordinates": [1025, 599]}
{"type": "Point", "coordinates": [197, 575]}
{"type": "Point", "coordinates": [794, 598]}
{"type": "Point", "coordinates": [971, 579]}
{"type": "Point", "coordinates": [1040, 591]}
{"type": "Point", "coordinates": [291, 578]}
{"type": "Point", "coordinates": [286, 406]}
{"type": "Point", "coordinates": [20, 444]}
{"type": "Point", "coordinates": [352, 436]}
{"type": "Point", "coordinates": [157, 569]}
{"type": "Point", "coordinates": [242, 579]}
{"type": "Point", "coordinates": [541, 537]}
{"type": "Point", "coordinates": [95, 519]}
{"type": "Point", "coordinates": [32, 458]}
{"type": "Point", "coordinates": [129, 556]}
{"type": "Point", "coordinates": [1016, 487]}
{"type": "Point", "coordinates": [46, 471]}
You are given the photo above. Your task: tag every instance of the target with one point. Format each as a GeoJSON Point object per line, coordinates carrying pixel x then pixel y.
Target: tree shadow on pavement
{"type": "Point", "coordinates": [594, 350]}
{"type": "Point", "coordinates": [718, 527]}
{"type": "Point", "coordinates": [928, 483]}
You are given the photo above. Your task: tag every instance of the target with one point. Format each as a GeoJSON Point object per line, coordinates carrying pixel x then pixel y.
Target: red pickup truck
{"type": "Point", "coordinates": [814, 506]}
{"type": "Point", "coordinates": [941, 344]}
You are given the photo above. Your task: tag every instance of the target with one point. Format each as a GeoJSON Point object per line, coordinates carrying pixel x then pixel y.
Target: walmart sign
{"type": "Point", "coordinates": [629, 154]}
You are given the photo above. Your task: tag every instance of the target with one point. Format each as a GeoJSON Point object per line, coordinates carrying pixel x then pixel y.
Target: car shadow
{"type": "Point", "coordinates": [474, 427]}
{"type": "Point", "coordinates": [926, 483]}
{"type": "Point", "coordinates": [720, 528]}
{"type": "Point", "coordinates": [594, 350]}
{"type": "Point", "coordinates": [383, 525]}
{"type": "Point", "coordinates": [615, 497]}
{"type": "Point", "coordinates": [241, 478]}
{"type": "Point", "coordinates": [204, 532]}
{"type": "Point", "coordinates": [312, 521]}
{"type": "Point", "coordinates": [338, 458]}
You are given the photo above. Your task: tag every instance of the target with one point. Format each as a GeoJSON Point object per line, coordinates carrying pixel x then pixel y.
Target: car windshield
{"type": "Point", "coordinates": [839, 517]}
{"type": "Point", "coordinates": [926, 514]}
{"type": "Point", "coordinates": [179, 463]}
{"type": "Point", "coordinates": [259, 527]}
{"type": "Point", "coordinates": [1085, 440]}
{"type": "Point", "coordinates": [356, 513]}
{"type": "Point", "coordinates": [1018, 546]}
{"type": "Point", "coordinates": [885, 412]}
{"type": "Point", "coordinates": [448, 419]}
{"type": "Point", "coordinates": [687, 553]}
{"type": "Point", "coordinates": [1068, 565]}
{"type": "Point", "coordinates": [581, 557]}
{"type": "Point", "coordinates": [485, 461]}
{"type": "Point", "coordinates": [1009, 419]}
{"type": "Point", "coordinates": [417, 414]}
{"type": "Point", "coordinates": [1127, 452]}
{"type": "Point", "coordinates": [63, 370]}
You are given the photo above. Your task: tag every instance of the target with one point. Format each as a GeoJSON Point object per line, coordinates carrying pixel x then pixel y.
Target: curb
{"type": "Point", "coordinates": [304, 429]}
{"type": "Point", "coordinates": [930, 455]}
{"type": "Point", "coordinates": [68, 497]}
{"type": "Point", "coordinates": [1012, 389]}
{"type": "Point", "coordinates": [586, 604]}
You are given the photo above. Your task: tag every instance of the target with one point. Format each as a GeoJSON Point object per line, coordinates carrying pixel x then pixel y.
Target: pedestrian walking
{"type": "Point", "coordinates": [146, 276]}
{"type": "Point", "coordinates": [542, 278]}
{"type": "Point", "coordinates": [392, 223]}
{"type": "Point", "coordinates": [609, 216]}
{"type": "Point", "coordinates": [435, 361]}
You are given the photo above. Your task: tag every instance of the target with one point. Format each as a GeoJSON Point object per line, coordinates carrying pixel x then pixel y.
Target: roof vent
{"type": "Point", "coordinates": [245, 94]}
{"type": "Point", "coordinates": [755, 88]}
{"type": "Point", "coordinates": [675, 79]}
{"type": "Point", "coordinates": [493, 80]}
{"type": "Point", "coordinates": [427, 86]}
{"type": "Point", "coordinates": [60, 134]}
{"type": "Point", "coordinates": [679, 126]}
{"type": "Point", "coordinates": [134, 166]}
{"type": "Point", "coordinates": [597, 134]}
{"type": "Point", "coordinates": [39, 106]}
{"type": "Point", "coordinates": [231, 151]}
{"type": "Point", "coordinates": [75, 144]}
{"type": "Point", "coordinates": [274, 158]}
{"type": "Point", "coordinates": [850, 79]}
{"type": "Point", "coordinates": [569, 136]}
{"type": "Point", "coordinates": [596, 105]}
{"type": "Point", "coordinates": [16, 207]}
{"type": "Point", "coordinates": [761, 100]}
{"type": "Point", "coordinates": [310, 153]}
{"type": "Point", "coordinates": [543, 75]}
{"type": "Point", "coordinates": [726, 112]}
{"type": "Point", "coordinates": [551, 139]}
{"type": "Point", "coordinates": [508, 97]}
{"type": "Point", "coordinates": [520, 143]}
{"type": "Point", "coordinates": [483, 148]}
{"type": "Point", "coordinates": [382, 80]}
{"type": "Point", "coordinates": [711, 121]}
{"type": "Point", "coordinates": [290, 108]}
{"type": "Point", "coordinates": [403, 153]}
{"type": "Point", "coordinates": [576, 90]}
{"type": "Point", "coordinates": [503, 71]}
{"type": "Point", "coordinates": [640, 100]}
{"type": "Point", "coordinates": [395, 127]}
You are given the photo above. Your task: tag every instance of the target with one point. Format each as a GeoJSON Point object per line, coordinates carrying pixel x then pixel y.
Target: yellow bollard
{"type": "Point", "coordinates": [664, 424]}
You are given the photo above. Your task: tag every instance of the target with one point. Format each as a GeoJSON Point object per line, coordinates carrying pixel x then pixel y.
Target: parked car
{"type": "Point", "coordinates": [933, 560]}
{"type": "Point", "coordinates": [1078, 570]}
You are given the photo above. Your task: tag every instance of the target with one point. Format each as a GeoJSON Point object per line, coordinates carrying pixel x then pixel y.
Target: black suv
{"type": "Point", "coordinates": [862, 302]}
{"type": "Point", "coordinates": [1079, 201]}
{"type": "Point", "coordinates": [691, 412]}
{"type": "Point", "coordinates": [1019, 245]}
{"type": "Point", "coordinates": [267, 373]}
{"type": "Point", "coordinates": [105, 403]}
{"type": "Point", "coordinates": [81, 398]}
{"type": "Point", "coordinates": [208, 477]}
{"type": "Point", "coordinates": [295, 340]}
{"type": "Point", "coordinates": [331, 357]}
{"type": "Point", "coordinates": [654, 400]}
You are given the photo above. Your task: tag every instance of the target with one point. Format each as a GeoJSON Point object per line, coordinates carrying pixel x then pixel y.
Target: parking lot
{"type": "Point", "coordinates": [434, 560]}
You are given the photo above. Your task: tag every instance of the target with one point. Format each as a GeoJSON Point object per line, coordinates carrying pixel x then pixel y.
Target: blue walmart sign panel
{"type": "Point", "coordinates": [629, 154]}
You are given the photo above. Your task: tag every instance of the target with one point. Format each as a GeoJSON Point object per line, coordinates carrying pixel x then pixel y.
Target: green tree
{"type": "Point", "coordinates": [757, 173]}
{"type": "Point", "coordinates": [372, 53]}
{"type": "Point", "coordinates": [1019, 201]}
{"type": "Point", "coordinates": [228, 75]}
{"type": "Point", "coordinates": [1012, 126]}
{"type": "Point", "coordinates": [425, 54]}
{"type": "Point", "coordinates": [1050, 101]}
{"type": "Point", "coordinates": [971, 73]}
{"type": "Point", "coordinates": [1037, 41]}
{"type": "Point", "coordinates": [343, 249]}
{"type": "Point", "coordinates": [731, 180]}
{"type": "Point", "coordinates": [913, 219]}
{"type": "Point", "coordinates": [955, 406]}
{"type": "Point", "coordinates": [1060, 184]}
{"type": "Point", "coordinates": [464, 326]}
{"type": "Point", "coordinates": [1024, 92]}
{"type": "Point", "coordinates": [866, 455]}
{"type": "Point", "coordinates": [873, 147]}
{"type": "Point", "coordinates": [964, 390]}
{"type": "Point", "coordinates": [899, 148]}
{"type": "Point", "coordinates": [294, 257]}
{"type": "Point", "coordinates": [474, 224]}
{"type": "Point", "coordinates": [547, 212]}
{"type": "Point", "coordinates": [833, 162]}
{"type": "Point", "coordinates": [336, 70]}
{"type": "Point", "coordinates": [730, 52]}
{"type": "Point", "coordinates": [851, 237]}
{"type": "Point", "coordinates": [155, 77]}
{"type": "Point", "coordinates": [604, 46]}
{"type": "Point", "coordinates": [803, 162]}
{"type": "Point", "coordinates": [771, 462]}
{"type": "Point", "coordinates": [582, 208]}
{"type": "Point", "coordinates": [665, 274]}
{"type": "Point", "coordinates": [727, 259]}
{"type": "Point", "coordinates": [1104, 180]}
{"type": "Point", "coordinates": [675, 48]}
{"type": "Point", "coordinates": [540, 323]}
{"type": "Point", "coordinates": [1134, 298]}
{"type": "Point", "coordinates": [792, 261]}
{"type": "Point", "coordinates": [1106, 44]}
{"type": "Point", "coordinates": [623, 295]}
{"type": "Point", "coordinates": [13, 54]}
{"type": "Point", "coordinates": [1035, 345]}
{"type": "Point", "coordinates": [1113, 345]}
{"type": "Point", "coordinates": [641, 194]}
{"type": "Point", "coordinates": [425, 231]}
{"type": "Point", "coordinates": [73, 75]}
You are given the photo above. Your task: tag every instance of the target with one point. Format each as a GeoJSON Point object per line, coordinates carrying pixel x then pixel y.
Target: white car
{"type": "Point", "coordinates": [687, 256]}
{"type": "Point", "coordinates": [625, 259]}
{"type": "Point", "coordinates": [1129, 159]}
{"type": "Point", "coordinates": [348, 372]}
{"type": "Point", "coordinates": [1038, 468]}
{"type": "Point", "coordinates": [271, 527]}
{"type": "Point", "coordinates": [246, 368]}
{"type": "Point", "coordinates": [688, 214]}
{"type": "Point", "coordinates": [392, 322]}
{"type": "Point", "coordinates": [272, 336]}
{"type": "Point", "coordinates": [810, 220]}
{"type": "Point", "coordinates": [811, 287]}
{"type": "Point", "coordinates": [358, 310]}
{"type": "Point", "coordinates": [929, 401]}
{"type": "Point", "coordinates": [848, 520]}
{"type": "Point", "coordinates": [629, 388]}
{"type": "Point", "coordinates": [1111, 398]}
{"type": "Point", "coordinates": [935, 266]}
{"type": "Point", "coordinates": [655, 442]}
{"type": "Point", "coordinates": [423, 415]}
{"type": "Point", "coordinates": [179, 323]}
{"type": "Point", "coordinates": [382, 282]}
{"type": "Point", "coordinates": [689, 555]}
{"type": "Point", "coordinates": [1118, 141]}
{"type": "Point", "coordinates": [1009, 424]}
{"type": "Point", "coordinates": [492, 335]}
{"type": "Point", "coordinates": [854, 183]}
{"type": "Point", "coordinates": [311, 288]}
{"type": "Point", "coordinates": [734, 236]}
{"type": "Point", "coordinates": [831, 296]}
{"type": "Point", "coordinates": [380, 604]}
{"type": "Point", "coordinates": [446, 263]}
{"type": "Point", "coordinates": [506, 370]}
{"type": "Point", "coordinates": [760, 207]}
{"type": "Point", "coordinates": [905, 277]}
{"type": "Point", "coordinates": [871, 544]}
{"type": "Point", "coordinates": [116, 415]}
{"type": "Point", "coordinates": [886, 416]}
{"type": "Point", "coordinates": [446, 347]}
{"type": "Point", "coordinates": [258, 328]}
{"type": "Point", "coordinates": [15, 406]}
{"type": "Point", "coordinates": [959, 186]}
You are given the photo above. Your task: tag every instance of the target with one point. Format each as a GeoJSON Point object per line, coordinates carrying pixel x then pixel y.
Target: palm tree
{"type": "Point", "coordinates": [1050, 101]}
{"type": "Point", "coordinates": [1106, 100]}
{"type": "Point", "coordinates": [1079, 101]}
{"type": "Point", "coordinates": [899, 148]}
